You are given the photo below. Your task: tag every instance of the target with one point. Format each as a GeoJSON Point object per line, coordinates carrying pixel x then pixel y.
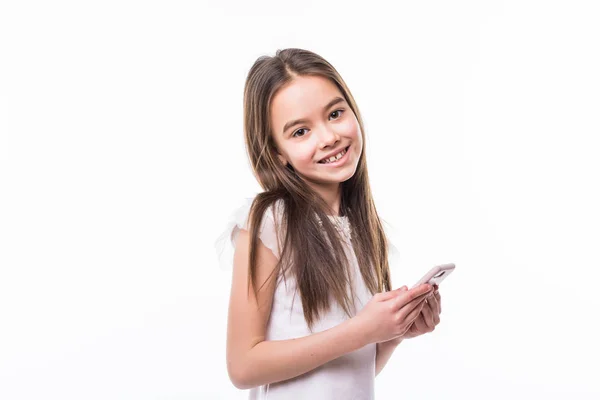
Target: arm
{"type": "Point", "coordinates": [425, 322]}
{"type": "Point", "coordinates": [253, 361]}
{"type": "Point", "coordinates": [277, 360]}
{"type": "Point", "coordinates": [384, 352]}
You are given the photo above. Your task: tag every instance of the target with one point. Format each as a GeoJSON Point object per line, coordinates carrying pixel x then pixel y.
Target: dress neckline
{"type": "Point", "coordinates": [342, 224]}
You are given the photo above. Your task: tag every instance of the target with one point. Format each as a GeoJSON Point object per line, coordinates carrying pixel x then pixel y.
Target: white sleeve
{"type": "Point", "coordinates": [225, 243]}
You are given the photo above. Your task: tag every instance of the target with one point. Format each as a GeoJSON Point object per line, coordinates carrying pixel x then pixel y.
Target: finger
{"type": "Point", "coordinates": [412, 315]}
{"type": "Point", "coordinates": [399, 306]}
{"type": "Point", "coordinates": [434, 309]}
{"type": "Point", "coordinates": [392, 293]}
{"type": "Point", "coordinates": [420, 323]}
{"type": "Point", "coordinates": [433, 303]}
{"type": "Point", "coordinates": [438, 299]}
{"type": "Point", "coordinates": [412, 330]}
{"type": "Point", "coordinates": [418, 291]}
{"type": "Point", "coordinates": [412, 307]}
{"type": "Point", "coordinates": [427, 315]}
{"type": "Point", "coordinates": [413, 294]}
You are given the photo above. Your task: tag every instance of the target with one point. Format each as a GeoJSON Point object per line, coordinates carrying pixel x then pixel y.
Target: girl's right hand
{"type": "Point", "coordinates": [390, 314]}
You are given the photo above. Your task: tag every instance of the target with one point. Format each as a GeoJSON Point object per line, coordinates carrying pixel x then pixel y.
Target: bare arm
{"type": "Point", "coordinates": [384, 353]}
{"type": "Point", "coordinates": [277, 360]}
{"type": "Point", "coordinates": [253, 361]}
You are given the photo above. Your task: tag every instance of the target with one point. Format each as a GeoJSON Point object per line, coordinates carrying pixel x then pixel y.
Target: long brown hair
{"type": "Point", "coordinates": [314, 251]}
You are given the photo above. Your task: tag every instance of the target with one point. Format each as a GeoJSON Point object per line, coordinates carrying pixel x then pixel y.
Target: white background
{"type": "Point", "coordinates": [122, 157]}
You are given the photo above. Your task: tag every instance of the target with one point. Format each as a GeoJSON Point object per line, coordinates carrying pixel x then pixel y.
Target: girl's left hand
{"type": "Point", "coordinates": [427, 319]}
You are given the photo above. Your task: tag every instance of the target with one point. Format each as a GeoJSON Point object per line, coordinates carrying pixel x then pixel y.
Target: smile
{"type": "Point", "coordinates": [337, 159]}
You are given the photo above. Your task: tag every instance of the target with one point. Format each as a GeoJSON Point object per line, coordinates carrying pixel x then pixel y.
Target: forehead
{"type": "Point", "coordinates": [303, 97]}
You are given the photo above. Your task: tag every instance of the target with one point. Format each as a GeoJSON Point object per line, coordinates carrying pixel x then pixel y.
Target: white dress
{"type": "Point", "coordinates": [351, 376]}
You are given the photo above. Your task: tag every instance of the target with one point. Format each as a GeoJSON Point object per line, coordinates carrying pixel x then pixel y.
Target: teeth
{"type": "Point", "coordinates": [334, 158]}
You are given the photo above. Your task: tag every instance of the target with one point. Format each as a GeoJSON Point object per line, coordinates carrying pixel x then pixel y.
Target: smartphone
{"type": "Point", "coordinates": [436, 275]}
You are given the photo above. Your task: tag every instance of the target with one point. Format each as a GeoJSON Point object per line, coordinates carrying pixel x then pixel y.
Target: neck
{"type": "Point", "coordinates": [332, 194]}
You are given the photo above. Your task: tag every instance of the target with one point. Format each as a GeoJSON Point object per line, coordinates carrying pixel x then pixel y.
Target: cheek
{"type": "Point", "coordinates": [302, 155]}
{"type": "Point", "coordinates": [306, 157]}
{"type": "Point", "coordinates": [350, 128]}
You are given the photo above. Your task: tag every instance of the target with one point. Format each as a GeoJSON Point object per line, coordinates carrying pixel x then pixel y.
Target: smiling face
{"type": "Point", "coordinates": [311, 121]}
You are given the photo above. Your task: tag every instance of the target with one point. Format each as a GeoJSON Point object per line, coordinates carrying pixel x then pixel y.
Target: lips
{"type": "Point", "coordinates": [333, 154]}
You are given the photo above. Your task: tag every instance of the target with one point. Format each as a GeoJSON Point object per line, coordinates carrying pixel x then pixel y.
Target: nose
{"type": "Point", "coordinates": [328, 138]}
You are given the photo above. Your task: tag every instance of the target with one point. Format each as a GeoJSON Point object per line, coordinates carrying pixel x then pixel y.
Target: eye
{"type": "Point", "coordinates": [303, 129]}
{"type": "Point", "coordinates": [294, 134]}
{"type": "Point", "coordinates": [336, 111]}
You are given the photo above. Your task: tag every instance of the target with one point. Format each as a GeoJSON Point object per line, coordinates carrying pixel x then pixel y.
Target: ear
{"type": "Point", "coordinates": [282, 159]}
{"type": "Point", "coordinates": [280, 156]}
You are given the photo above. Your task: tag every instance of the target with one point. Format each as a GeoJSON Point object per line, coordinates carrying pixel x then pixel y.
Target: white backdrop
{"type": "Point", "coordinates": [122, 156]}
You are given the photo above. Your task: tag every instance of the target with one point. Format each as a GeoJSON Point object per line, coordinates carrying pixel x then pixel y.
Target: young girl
{"type": "Point", "coordinates": [311, 313]}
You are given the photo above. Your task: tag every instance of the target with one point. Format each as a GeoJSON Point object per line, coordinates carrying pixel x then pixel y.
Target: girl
{"type": "Point", "coordinates": [311, 312]}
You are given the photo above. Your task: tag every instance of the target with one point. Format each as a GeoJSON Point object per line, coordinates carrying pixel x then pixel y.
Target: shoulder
{"type": "Point", "coordinates": [272, 215]}
{"type": "Point", "coordinates": [272, 227]}
{"type": "Point", "coordinates": [270, 232]}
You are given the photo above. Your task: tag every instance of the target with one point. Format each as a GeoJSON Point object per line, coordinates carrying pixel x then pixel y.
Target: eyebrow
{"type": "Point", "coordinates": [333, 102]}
